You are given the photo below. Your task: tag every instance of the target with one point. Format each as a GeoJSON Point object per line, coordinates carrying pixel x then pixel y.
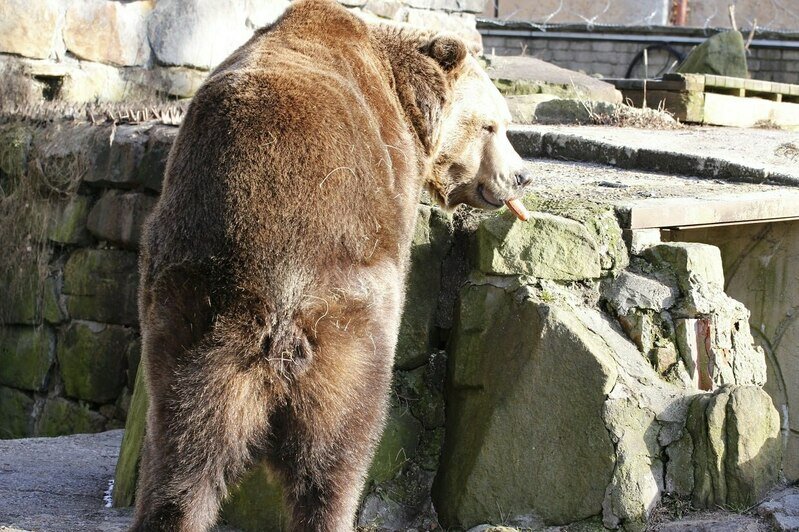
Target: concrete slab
{"type": "Point", "coordinates": [652, 200]}
{"type": "Point", "coordinates": [738, 155]}
{"type": "Point", "coordinates": [525, 75]}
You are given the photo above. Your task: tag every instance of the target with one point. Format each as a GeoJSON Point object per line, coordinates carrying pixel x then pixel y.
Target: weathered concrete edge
{"type": "Point", "coordinates": [569, 147]}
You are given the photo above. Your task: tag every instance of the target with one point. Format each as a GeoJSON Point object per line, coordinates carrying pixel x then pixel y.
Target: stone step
{"type": "Point", "coordinates": [748, 155]}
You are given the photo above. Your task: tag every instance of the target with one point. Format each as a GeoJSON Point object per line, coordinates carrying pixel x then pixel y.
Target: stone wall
{"type": "Point", "coordinates": [760, 267]}
{"type": "Point", "coordinates": [72, 200]}
{"type": "Point", "coordinates": [544, 374]}
{"type": "Point", "coordinates": [609, 51]}
{"type": "Point", "coordinates": [113, 50]}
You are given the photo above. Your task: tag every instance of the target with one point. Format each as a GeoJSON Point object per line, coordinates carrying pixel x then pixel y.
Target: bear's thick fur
{"type": "Point", "coordinates": [272, 268]}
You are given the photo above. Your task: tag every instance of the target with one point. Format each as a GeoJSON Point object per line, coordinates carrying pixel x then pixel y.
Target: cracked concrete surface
{"type": "Point", "coordinates": [56, 484]}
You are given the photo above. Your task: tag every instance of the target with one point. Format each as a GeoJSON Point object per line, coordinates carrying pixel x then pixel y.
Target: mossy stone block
{"type": "Point", "coordinates": [256, 503]}
{"type": "Point", "coordinates": [61, 417]}
{"type": "Point", "coordinates": [545, 246]}
{"type": "Point", "coordinates": [431, 241]}
{"type": "Point", "coordinates": [398, 444]}
{"type": "Point", "coordinates": [16, 413]}
{"type": "Point", "coordinates": [29, 294]}
{"type": "Point", "coordinates": [92, 357]}
{"type": "Point", "coordinates": [153, 163]}
{"type": "Point", "coordinates": [127, 468]}
{"type": "Point", "coordinates": [118, 217]}
{"type": "Point", "coordinates": [68, 226]}
{"type": "Point", "coordinates": [26, 356]}
{"type": "Point", "coordinates": [723, 54]}
{"type": "Point", "coordinates": [101, 284]}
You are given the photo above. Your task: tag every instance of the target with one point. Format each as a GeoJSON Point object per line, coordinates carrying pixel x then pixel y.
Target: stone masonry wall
{"type": "Point", "coordinates": [533, 357]}
{"type": "Point", "coordinates": [113, 50]}
{"type": "Point", "coordinates": [72, 200]}
{"type": "Point", "coordinates": [759, 266]}
{"type": "Point", "coordinates": [590, 50]}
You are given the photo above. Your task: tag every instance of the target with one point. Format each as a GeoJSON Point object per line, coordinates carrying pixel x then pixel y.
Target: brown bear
{"type": "Point", "coordinates": [272, 268]}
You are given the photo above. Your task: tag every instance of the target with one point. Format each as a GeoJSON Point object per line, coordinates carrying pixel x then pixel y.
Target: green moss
{"type": "Point", "coordinates": [256, 503]}
{"type": "Point", "coordinates": [26, 356]}
{"type": "Point", "coordinates": [61, 417]}
{"type": "Point", "coordinates": [15, 141]}
{"type": "Point", "coordinates": [92, 359]}
{"type": "Point", "coordinates": [100, 285]}
{"type": "Point", "coordinates": [69, 225]}
{"type": "Point", "coordinates": [130, 452]}
{"type": "Point", "coordinates": [431, 242]}
{"type": "Point", "coordinates": [16, 413]}
{"type": "Point", "coordinates": [398, 444]}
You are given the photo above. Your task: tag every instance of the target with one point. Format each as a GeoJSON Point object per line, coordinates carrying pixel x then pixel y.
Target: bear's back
{"type": "Point", "coordinates": [283, 158]}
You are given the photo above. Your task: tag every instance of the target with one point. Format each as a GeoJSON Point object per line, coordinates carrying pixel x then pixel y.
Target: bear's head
{"type": "Point", "coordinates": [474, 162]}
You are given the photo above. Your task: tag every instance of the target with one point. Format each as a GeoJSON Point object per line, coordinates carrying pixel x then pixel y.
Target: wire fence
{"type": "Point", "coordinates": [774, 15]}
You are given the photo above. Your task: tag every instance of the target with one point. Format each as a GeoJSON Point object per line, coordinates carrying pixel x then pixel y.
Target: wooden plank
{"type": "Point", "coordinates": [725, 110]}
{"type": "Point", "coordinates": [755, 207]}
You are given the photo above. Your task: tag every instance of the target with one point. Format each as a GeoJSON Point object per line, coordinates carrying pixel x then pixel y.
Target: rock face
{"type": "Point", "coordinates": [546, 247]}
{"type": "Point", "coordinates": [108, 32]}
{"type": "Point", "coordinates": [736, 446]}
{"type": "Point", "coordinates": [201, 34]}
{"type": "Point", "coordinates": [509, 422]}
{"type": "Point", "coordinates": [29, 28]}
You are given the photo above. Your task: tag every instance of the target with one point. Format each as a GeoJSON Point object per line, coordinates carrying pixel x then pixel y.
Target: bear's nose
{"type": "Point", "coordinates": [523, 177]}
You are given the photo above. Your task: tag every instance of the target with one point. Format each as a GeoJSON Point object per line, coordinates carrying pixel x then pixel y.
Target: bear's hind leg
{"type": "Point", "coordinates": [200, 432]}
{"type": "Point", "coordinates": [323, 441]}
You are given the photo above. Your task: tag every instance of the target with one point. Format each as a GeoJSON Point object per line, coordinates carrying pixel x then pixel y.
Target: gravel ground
{"type": "Point", "coordinates": [58, 484]}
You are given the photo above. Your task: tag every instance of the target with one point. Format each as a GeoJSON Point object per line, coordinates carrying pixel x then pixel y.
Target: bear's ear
{"type": "Point", "coordinates": [446, 50]}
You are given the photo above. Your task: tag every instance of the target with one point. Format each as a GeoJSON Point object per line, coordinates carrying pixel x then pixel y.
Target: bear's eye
{"type": "Point", "coordinates": [491, 128]}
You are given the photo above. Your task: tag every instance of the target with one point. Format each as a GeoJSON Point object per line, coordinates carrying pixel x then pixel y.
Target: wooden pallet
{"type": "Point", "coordinates": [717, 100]}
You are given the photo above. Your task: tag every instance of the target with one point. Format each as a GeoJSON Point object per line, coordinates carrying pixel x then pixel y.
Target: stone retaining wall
{"type": "Point", "coordinates": [73, 200]}
{"type": "Point", "coordinates": [544, 374]}
{"type": "Point", "coordinates": [597, 50]}
{"type": "Point", "coordinates": [113, 50]}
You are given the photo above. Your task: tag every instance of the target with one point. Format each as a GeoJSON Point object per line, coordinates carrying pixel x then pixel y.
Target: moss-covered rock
{"type": "Point", "coordinates": [100, 285]}
{"type": "Point", "coordinates": [723, 54]}
{"type": "Point", "coordinates": [397, 445]}
{"type": "Point", "coordinates": [116, 162]}
{"type": "Point", "coordinates": [126, 472]}
{"type": "Point", "coordinates": [16, 413]}
{"type": "Point", "coordinates": [256, 503]}
{"type": "Point", "coordinates": [61, 416]}
{"type": "Point", "coordinates": [117, 217]}
{"type": "Point", "coordinates": [517, 443]}
{"type": "Point", "coordinates": [737, 452]}
{"type": "Point", "coordinates": [26, 356]}
{"type": "Point", "coordinates": [68, 226]}
{"type": "Point", "coordinates": [92, 359]}
{"type": "Point", "coordinates": [29, 294]}
{"type": "Point", "coordinates": [545, 246]}
{"type": "Point", "coordinates": [153, 163]}
{"type": "Point", "coordinates": [431, 241]}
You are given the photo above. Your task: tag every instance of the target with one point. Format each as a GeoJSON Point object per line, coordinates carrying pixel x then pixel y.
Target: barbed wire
{"type": "Point", "coordinates": [773, 15]}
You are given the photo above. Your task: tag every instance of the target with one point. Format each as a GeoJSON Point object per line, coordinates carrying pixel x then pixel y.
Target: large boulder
{"type": "Point", "coordinates": [29, 28]}
{"type": "Point", "coordinates": [100, 285]}
{"type": "Point", "coordinates": [723, 54]}
{"type": "Point", "coordinates": [516, 443]}
{"type": "Point", "coordinates": [431, 241]}
{"type": "Point", "coordinates": [26, 356]}
{"type": "Point", "coordinates": [108, 32]}
{"type": "Point", "coordinates": [737, 452]}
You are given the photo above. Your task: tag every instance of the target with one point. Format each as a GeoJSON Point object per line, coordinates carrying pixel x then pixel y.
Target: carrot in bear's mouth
{"type": "Point", "coordinates": [518, 208]}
